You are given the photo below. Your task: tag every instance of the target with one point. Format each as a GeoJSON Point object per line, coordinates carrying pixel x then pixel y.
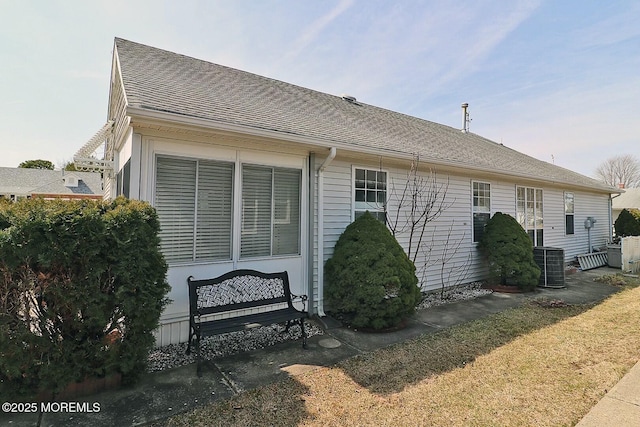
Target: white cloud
{"type": "Point", "coordinates": [312, 32]}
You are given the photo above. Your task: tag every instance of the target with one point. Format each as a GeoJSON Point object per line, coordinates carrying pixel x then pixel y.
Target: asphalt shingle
{"type": "Point", "coordinates": [159, 80]}
{"type": "Point", "coordinates": [22, 181]}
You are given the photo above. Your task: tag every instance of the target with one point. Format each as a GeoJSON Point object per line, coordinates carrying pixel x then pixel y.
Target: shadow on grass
{"type": "Point", "coordinates": [280, 403]}
{"type": "Point", "coordinates": [392, 369]}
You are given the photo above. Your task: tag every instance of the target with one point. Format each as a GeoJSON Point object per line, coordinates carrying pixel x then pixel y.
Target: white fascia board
{"type": "Point", "coordinates": [115, 68]}
{"type": "Point", "coordinates": [171, 119]}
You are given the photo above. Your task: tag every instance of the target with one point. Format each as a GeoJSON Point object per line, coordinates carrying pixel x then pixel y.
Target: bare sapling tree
{"type": "Point", "coordinates": [421, 200]}
{"type": "Point", "coordinates": [453, 271]}
{"type": "Point", "coordinates": [620, 170]}
{"type": "Point", "coordinates": [416, 203]}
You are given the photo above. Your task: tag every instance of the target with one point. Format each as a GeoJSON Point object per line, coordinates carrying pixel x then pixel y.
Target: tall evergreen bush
{"type": "Point", "coordinates": [82, 287]}
{"type": "Point", "coordinates": [509, 253]}
{"type": "Point", "coordinates": [628, 223]}
{"type": "Point", "coordinates": [370, 281]}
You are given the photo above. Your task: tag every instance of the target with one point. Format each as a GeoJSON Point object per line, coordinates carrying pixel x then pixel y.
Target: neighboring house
{"type": "Point", "coordinates": [250, 172]}
{"type": "Point", "coordinates": [630, 199]}
{"type": "Point", "coordinates": [20, 183]}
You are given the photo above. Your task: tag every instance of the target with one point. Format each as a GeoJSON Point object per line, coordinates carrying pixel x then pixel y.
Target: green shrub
{"type": "Point", "coordinates": [509, 252]}
{"type": "Point", "coordinates": [628, 223]}
{"type": "Point", "coordinates": [370, 280]}
{"type": "Point", "coordinates": [82, 287]}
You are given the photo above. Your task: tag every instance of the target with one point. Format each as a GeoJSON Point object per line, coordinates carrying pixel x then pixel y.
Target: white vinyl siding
{"type": "Point", "coordinates": [338, 195]}
{"type": "Point", "coordinates": [584, 205]}
{"type": "Point", "coordinates": [270, 211]}
{"type": "Point", "coordinates": [194, 202]}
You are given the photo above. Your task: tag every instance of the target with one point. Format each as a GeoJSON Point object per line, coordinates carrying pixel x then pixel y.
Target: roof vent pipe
{"type": "Point", "coordinates": [465, 118]}
{"type": "Point", "coordinates": [349, 98]}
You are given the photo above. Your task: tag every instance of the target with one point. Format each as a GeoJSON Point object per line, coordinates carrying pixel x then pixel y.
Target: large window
{"type": "Point", "coordinates": [195, 204]}
{"type": "Point", "coordinates": [194, 201]}
{"type": "Point", "coordinates": [481, 208]}
{"type": "Point", "coordinates": [569, 213]}
{"type": "Point", "coordinates": [270, 211]}
{"type": "Point", "coordinates": [529, 210]}
{"type": "Point", "coordinates": [370, 193]}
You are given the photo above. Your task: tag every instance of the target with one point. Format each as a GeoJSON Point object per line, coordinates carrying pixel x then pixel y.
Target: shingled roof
{"type": "Point", "coordinates": [629, 199]}
{"type": "Point", "coordinates": [162, 81]}
{"type": "Point", "coordinates": [44, 182]}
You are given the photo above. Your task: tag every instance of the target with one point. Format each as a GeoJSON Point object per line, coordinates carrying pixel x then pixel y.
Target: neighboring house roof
{"type": "Point", "coordinates": [629, 199]}
{"type": "Point", "coordinates": [159, 81]}
{"type": "Point", "coordinates": [25, 181]}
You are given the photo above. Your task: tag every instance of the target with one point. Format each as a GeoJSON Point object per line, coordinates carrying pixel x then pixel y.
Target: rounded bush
{"type": "Point", "coordinates": [509, 251]}
{"type": "Point", "coordinates": [370, 281]}
{"type": "Point", "coordinates": [628, 223]}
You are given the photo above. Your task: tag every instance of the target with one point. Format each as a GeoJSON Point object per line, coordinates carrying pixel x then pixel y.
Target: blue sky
{"type": "Point", "coordinates": [558, 80]}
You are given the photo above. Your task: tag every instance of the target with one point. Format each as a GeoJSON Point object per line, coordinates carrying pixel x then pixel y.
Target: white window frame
{"type": "Point", "coordinates": [273, 220]}
{"type": "Point", "coordinates": [375, 210]}
{"type": "Point", "coordinates": [167, 148]}
{"type": "Point", "coordinates": [524, 220]}
{"type": "Point", "coordinates": [195, 257]}
{"type": "Point", "coordinates": [476, 210]}
{"type": "Point", "coordinates": [254, 229]}
{"type": "Point", "coordinates": [287, 217]}
{"type": "Point", "coordinates": [572, 213]}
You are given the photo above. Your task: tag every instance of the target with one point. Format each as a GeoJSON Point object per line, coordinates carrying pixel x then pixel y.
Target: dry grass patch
{"type": "Point", "coordinates": [532, 366]}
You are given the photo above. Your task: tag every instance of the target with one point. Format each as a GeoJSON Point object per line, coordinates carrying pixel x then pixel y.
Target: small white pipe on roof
{"type": "Point", "coordinates": [465, 118]}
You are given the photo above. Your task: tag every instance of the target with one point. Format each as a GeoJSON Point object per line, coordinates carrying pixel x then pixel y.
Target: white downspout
{"type": "Point", "coordinates": [320, 175]}
{"type": "Point", "coordinates": [611, 197]}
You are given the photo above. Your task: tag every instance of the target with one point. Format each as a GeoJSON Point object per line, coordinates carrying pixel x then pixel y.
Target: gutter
{"type": "Point", "coordinates": [320, 176]}
{"type": "Point", "coordinates": [611, 197]}
{"type": "Point", "coordinates": [310, 222]}
{"type": "Point", "coordinates": [167, 118]}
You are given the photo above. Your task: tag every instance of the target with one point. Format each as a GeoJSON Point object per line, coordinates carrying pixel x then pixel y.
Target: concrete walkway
{"type": "Point", "coordinates": [620, 407]}
{"type": "Point", "coordinates": [163, 394]}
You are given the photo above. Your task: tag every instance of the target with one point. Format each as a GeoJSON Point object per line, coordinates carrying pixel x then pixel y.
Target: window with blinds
{"type": "Point", "coordinates": [194, 202]}
{"type": "Point", "coordinates": [214, 214]}
{"type": "Point", "coordinates": [270, 211]}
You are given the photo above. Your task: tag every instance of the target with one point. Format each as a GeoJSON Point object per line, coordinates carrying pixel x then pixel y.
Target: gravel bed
{"type": "Point", "coordinates": [455, 293]}
{"type": "Point", "coordinates": [172, 355]}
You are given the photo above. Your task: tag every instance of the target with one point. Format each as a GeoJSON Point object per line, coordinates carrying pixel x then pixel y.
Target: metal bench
{"type": "Point", "coordinates": [262, 298]}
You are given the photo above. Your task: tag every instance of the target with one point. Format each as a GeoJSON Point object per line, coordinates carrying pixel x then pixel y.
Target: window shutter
{"type": "Point", "coordinates": [175, 205]}
{"type": "Point", "coordinates": [256, 211]}
{"type": "Point", "coordinates": [286, 211]}
{"type": "Point", "coordinates": [214, 212]}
